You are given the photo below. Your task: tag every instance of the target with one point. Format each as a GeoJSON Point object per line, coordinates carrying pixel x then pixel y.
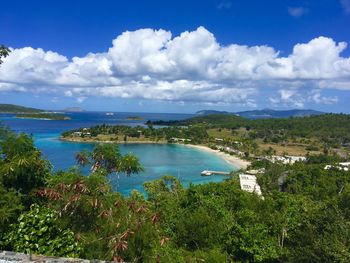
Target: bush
{"type": "Point", "coordinates": [37, 232]}
{"type": "Point", "coordinates": [312, 148]}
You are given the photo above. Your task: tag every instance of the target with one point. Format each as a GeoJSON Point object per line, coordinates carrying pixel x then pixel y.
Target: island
{"type": "Point", "coordinates": [11, 108]}
{"type": "Point", "coordinates": [43, 116]}
{"type": "Point", "coordinates": [22, 112]}
{"type": "Point", "coordinates": [235, 135]}
{"type": "Point", "coordinates": [134, 118]}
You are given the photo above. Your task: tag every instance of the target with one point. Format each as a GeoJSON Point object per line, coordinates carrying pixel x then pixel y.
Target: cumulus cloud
{"type": "Point", "coordinates": [289, 98]}
{"type": "Point", "coordinates": [315, 96]}
{"type": "Point", "coordinates": [190, 67]}
{"type": "Point", "coordinates": [294, 98]}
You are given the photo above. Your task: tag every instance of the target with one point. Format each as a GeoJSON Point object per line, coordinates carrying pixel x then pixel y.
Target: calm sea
{"type": "Point", "coordinates": [158, 159]}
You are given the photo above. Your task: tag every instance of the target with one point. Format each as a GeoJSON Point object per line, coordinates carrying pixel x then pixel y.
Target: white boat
{"type": "Point", "coordinates": [109, 113]}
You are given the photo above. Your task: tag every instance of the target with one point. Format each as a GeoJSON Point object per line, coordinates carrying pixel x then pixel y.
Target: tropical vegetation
{"type": "Point", "coordinates": [303, 215]}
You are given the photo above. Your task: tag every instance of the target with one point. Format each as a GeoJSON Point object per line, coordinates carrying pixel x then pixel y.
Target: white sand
{"type": "Point", "coordinates": [232, 160]}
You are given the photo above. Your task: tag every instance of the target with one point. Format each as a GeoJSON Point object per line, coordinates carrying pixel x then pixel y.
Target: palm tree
{"type": "Point", "coordinates": [129, 164]}
{"type": "Point", "coordinates": [4, 52]}
{"type": "Point", "coordinates": [105, 156]}
{"type": "Point", "coordinates": [82, 158]}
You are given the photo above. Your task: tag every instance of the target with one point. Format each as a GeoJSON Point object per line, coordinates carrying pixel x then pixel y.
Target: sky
{"type": "Point", "coordinates": [176, 56]}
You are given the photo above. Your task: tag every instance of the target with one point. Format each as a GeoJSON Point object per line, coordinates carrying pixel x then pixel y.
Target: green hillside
{"type": "Point", "coordinates": [10, 108]}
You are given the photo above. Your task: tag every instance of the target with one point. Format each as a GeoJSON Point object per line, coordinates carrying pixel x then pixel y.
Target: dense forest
{"type": "Point", "coordinates": [326, 126]}
{"type": "Point", "coordinates": [303, 216]}
{"type": "Point", "coordinates": [327, 133]}
{"type": "Point", "coordinates": [125, 133]}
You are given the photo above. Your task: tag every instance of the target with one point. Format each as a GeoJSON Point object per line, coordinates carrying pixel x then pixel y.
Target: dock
{"type": "Point", "coordinates": [209, 173]}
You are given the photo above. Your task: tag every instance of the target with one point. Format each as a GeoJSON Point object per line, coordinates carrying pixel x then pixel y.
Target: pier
{"type": "Point", "coordinates": [209, 173]}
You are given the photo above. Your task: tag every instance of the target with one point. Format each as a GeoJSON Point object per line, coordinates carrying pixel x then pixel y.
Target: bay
{"type": "Point", "coordinates": [181, 161]}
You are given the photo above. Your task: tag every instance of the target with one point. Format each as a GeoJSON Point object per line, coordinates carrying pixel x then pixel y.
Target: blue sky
{"type": "Point", "coordinates": [178, 56]}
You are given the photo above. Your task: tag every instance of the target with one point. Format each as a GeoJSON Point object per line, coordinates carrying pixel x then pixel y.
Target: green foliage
{"type": "Point", "coordinates": [196, 134]}
{"type": "Point", "coordinates": [129, 164]}
{"type": "Point", "coordinates": [11, 108]}
{"type": "Point", "coordinates": [37, 232]}
{"type": "Point", "coordinates": [114, 226]}
{"type": "Point", "coordinates": [4, 52]}
{"type": "Point", "coordinates": [21, 164]}
{"type": "Point", "coordinates": [106, 158]}
{"type": "Point", "coordinates": [303, 217]}
{"type": "Point", "coordinates": [49, 116]}
{"type": "Point", "coordinates": [252, 243]}
{"type": "Point", "coordinates": [173, 254]}
{"type": "Point", "coordinates": [332, 129]}
{"type": "Point", "coordinates": [10, 207]}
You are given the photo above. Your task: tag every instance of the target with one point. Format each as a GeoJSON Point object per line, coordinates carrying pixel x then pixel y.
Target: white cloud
{"type": "Point", "coordinates": [297, 11]}
{"type": "Point", "coordinates": [315, 96]}
{"type": "Point", "coordinates": [289, 98]}
{"type": "Point", "coordinates": [190, 67]}
{"type": "Point", "coordinates": [81, 99]}
{"type": "Point", "coordinates": [295, 98]}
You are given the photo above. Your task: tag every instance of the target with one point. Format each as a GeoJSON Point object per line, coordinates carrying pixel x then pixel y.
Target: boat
{"type": "Point", "coordinates": [109, 113]}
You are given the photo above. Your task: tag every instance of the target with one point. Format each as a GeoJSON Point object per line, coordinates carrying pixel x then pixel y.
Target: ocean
{"type": "Point", "coordinates": [183, 162]}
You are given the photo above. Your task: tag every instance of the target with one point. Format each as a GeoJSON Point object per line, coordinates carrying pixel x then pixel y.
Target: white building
{"type": "Point", "coordinates": [288, 159]}
{"type": "Point", "coordinates": [248, 183]}
{"type": "Point", "coordinates": [341, 166]}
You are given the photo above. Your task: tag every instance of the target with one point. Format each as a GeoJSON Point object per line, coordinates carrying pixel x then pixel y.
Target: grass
{"type": "Point", "coordinates": [286, 149]}
{"type": "Point", "coordinates": [220, 133]}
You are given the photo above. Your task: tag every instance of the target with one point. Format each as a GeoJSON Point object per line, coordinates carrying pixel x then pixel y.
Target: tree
{"type": "Point", "coordinates": [4, 52]}
{"type": "Point", "coordinates": [10, 207]}
{"type": "Point", "coordinates": [22, 166]}
{"type": "Point", "coordinates": [107, 158]}
{"type": "Point", "coordinates": [103, 156]}
{"type": "Point", "coordinates": [108, 225]}
{"type": "Point", "coordinates": [130, 164]}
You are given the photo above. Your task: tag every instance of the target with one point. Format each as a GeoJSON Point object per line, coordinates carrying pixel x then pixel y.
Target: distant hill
{"type": "Point", "coordinates": [264, 114]}
{"type": "Point", "coordinates": [11, 108]}
{"type": "Point", "coordinates": [268, 113]}
{"type": "Point", "coordinates": [209, 112]}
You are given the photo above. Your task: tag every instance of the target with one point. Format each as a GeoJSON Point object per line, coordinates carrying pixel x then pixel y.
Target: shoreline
{"type": "Point", "coordinates": [234, 161]}
{"type": "Point", "coordinates": [117, 142]}
{"type": "Point", "coordinates": [41, 119]}
{"type": "Point", "coordinates": [230, 159]}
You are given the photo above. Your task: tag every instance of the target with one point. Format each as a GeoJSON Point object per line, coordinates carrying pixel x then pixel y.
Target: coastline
{"type": "Point", "coordinates": [117, 142]}
{"type": "Point", "coordinates": [43, 119]}
{"type": "Point", "coordinates": [234, 161]}
{"type": "Point", "coordinates": [30, 118]}
{"type": "Point", "coordinates": [230, 159]}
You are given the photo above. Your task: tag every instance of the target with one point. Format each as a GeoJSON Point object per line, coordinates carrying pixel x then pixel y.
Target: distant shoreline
{"type": "Point", "coordinates": [230, 159]}
{"type": "Point", "coordinates": [234, 161]}
{"type": "Point", "coordinates": [31, 118]}
{"type": "Point", "coordinates": [117, 142]}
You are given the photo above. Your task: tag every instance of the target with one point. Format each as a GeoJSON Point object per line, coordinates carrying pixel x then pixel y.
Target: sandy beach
{"type": "Point", "coordinates": [233, 160]}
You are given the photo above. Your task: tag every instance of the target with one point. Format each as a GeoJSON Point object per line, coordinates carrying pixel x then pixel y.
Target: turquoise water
{"type": "Point", "coordinates": [181, 161]}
